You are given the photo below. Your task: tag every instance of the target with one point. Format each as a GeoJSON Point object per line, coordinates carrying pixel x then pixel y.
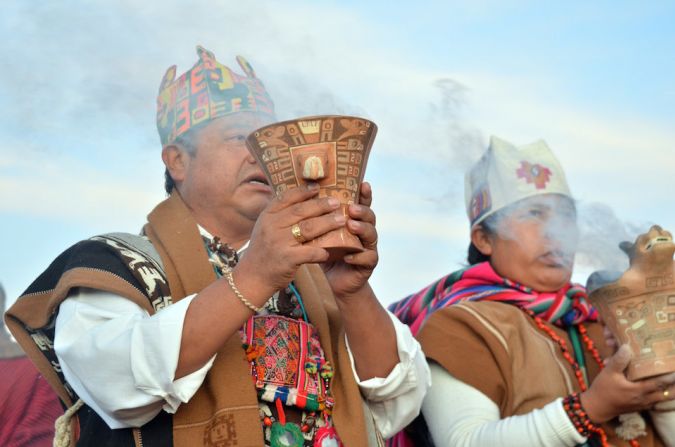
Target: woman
{"type": "Point", "coordinates": [516, 351]}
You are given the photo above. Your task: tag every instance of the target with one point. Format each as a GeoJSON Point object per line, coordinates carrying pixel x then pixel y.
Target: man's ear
{"type": "Point", "coordinates": [482, 240]}
{"type": "Point", "coordinates": [176, 161]}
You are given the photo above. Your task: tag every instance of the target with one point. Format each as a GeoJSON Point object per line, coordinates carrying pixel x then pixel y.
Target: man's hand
{"type": "Point", "coordinates": [269, 265]}
{"type": "Point", "coordinates": [362, 313]}
{"type": "Point", "coordinates": [275, 254]}
{"type": "Point", "coordinates": [348, 276]}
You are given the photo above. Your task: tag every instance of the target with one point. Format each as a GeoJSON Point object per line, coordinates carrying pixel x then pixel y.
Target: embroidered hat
{"type": "Point", "coordinates": [207, 91]}
{"type": "Point", "coordinates": [506, 174]}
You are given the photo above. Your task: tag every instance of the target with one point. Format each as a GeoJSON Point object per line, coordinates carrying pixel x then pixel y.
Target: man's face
{"type": "Point", "coordinates": [221, 178]}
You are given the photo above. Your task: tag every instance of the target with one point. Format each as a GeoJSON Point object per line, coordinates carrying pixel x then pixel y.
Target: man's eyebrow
{"type": "Point", "coordinates": [235, 131]}
{"type": "Point", "coordinates": [239, 128]}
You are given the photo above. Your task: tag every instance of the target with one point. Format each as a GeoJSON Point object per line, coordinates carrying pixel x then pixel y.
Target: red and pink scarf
{"type": "Point", "coordinates": [566, 307]}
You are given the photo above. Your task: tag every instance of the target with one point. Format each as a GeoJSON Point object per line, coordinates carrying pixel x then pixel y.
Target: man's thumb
{"type": "Point", "coordinates": [620, 360]}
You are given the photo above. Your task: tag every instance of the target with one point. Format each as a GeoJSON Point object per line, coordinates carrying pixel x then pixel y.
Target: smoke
{"type": "Point", "coordinates": [77, 100]}
{"type": "Point", "coordinates": [543, 225]}
{"type": "Point", "coordinates": [63, 75]}
{"type": "Point", "coordinates": [317, 99]}
{"type": "Point", "coordinates": [601, 233]}
{"type": "Point", "coordinates": [590, 230]}
{"type": "Point", "coordinates": [459, 143]}
{"type": "Point", "coordinates": [80, 82]}
{"type": "Point", "coordinates": [79, 77]}
{"type": "Point", "coordinates": [454, 143]}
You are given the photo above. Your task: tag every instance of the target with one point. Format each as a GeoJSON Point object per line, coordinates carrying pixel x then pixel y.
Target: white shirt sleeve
{"type": "Point", "coordinates": [459, 415]}
{"type": "Point", "coordinates": [120, 360]}
{"type": "Point", "coordinates": [396, 400]}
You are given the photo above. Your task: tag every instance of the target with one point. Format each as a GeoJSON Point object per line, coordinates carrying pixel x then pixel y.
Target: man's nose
{"type": "Point", "coordinates": [249, 155]}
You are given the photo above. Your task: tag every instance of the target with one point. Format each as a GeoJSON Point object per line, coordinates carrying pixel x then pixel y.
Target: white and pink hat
{"type": "Point", "coordinates": [506, 174]}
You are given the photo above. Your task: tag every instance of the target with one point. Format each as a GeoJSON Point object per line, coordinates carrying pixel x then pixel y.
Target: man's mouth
{"type": "Point", "coordinates": [257, 179]}
{"type": "Point", "coordinates": [258, 182]}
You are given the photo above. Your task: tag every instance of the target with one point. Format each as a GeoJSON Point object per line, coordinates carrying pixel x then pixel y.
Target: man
{"type": "Point", "coordinates": [28, 406]}
{"type": "Point", "coordinates": [150, 335]}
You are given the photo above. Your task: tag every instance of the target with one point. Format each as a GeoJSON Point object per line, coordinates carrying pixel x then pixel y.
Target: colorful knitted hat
{"type": "Point", "coordinates": [207, 91]}
{"type": "Point", "coordinates": [506, 174]}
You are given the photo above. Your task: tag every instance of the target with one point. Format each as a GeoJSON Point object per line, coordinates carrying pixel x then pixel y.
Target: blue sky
{"type": "Point", "coordinates": [79, 153]}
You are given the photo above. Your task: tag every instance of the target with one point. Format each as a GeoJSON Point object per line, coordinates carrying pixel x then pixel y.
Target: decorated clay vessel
{"type": "Point", "coordinates": [639, 306]}
{"type": "Point", "coordinates": [331, 150]}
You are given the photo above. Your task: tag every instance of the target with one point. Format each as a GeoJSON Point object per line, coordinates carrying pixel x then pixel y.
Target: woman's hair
{"type": "Point", "coordinates": [474, 256]}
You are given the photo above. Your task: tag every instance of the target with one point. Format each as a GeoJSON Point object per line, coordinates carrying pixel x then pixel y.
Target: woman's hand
{"type": "Point", "coordinates": [612, 394]}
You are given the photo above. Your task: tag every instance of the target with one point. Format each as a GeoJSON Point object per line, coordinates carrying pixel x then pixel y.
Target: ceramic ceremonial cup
{"type": "Point", "coordinates": [639, 307]}
{"type": "Point", "coordinates": [331, 150]}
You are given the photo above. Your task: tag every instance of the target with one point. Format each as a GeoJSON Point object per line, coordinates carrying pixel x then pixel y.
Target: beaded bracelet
{"type": "Point", "coordinates": [579, 417]}
{"type": "Point", "coordinates": [247, 303]}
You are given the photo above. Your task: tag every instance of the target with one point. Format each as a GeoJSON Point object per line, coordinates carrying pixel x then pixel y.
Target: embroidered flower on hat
{"type": "Point", "coordinates": [507, 173]}
{"type": "Point", "coordinates": [534, 173]}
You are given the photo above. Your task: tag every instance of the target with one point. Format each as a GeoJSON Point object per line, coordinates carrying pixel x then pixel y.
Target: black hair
{"type": "Point", "coordinates": [169, 184]}
{"type": "Point", "coordinates": [474, 256]}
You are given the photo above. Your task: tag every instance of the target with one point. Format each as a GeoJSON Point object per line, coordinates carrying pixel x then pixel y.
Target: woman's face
{"type": "Point", "coordinates": [533, 242]}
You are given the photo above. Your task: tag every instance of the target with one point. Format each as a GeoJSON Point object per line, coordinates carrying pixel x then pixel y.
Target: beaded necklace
{"type": "Point", "coordinates": [578, 372]}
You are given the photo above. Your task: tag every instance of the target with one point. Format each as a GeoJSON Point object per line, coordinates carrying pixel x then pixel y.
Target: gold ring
{"type": "Point", "coordinates": [666, 393]}
{"type": "Point", "coordinates": [297, 234]}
